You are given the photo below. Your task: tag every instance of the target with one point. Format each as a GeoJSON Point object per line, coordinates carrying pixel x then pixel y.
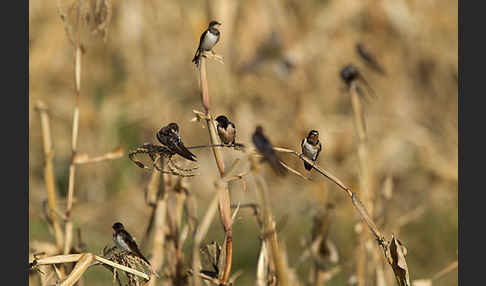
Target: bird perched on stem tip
{"type": "Point", "coordinates": [125, 241]}
{"type": "Point", "coordinates": [311, 147]}
{"type": "Point", "coordinates": [169, 136]}
{"type": "Point", "coordinates": [208, 39]}
{"type": "Point", "coordinates": [350, 74]}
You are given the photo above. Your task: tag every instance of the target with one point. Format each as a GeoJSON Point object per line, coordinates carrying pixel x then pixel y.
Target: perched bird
{"type": "Point", "coordinates": [350, 74]}
{"type": "Point", "coordinates": [311, 147]}
{"type": "Point", "coordinates": [369, 58]}
{"type": "Point", "coordinates": [208, 39]}
{"type": "Point", "coordinates": [125, 241]}
{"type": "Point", "coordinates": [169, 136]}
{"type": "Point", "coordinates": [265, 147]}
{"type": "Point", "coordinates": [226, 130]}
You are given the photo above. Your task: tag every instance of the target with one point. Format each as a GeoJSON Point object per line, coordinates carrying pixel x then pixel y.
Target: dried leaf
{"type": "Point", "coordinates": [262, 266]}
{"type": "Point", "coordinates": [211, 253]}
{"type": "Point", "coordinates": [395, 254]}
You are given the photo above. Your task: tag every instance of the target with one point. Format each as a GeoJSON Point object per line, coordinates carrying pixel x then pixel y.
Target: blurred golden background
{"type": "Point", "coordinates": [281, 69]}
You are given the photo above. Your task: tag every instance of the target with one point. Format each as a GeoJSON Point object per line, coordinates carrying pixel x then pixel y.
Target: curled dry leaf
{"type": "Point", "coordinates": [395, 254]}
{"type": "Point", "coordinates": [211, 257]}
{"type": "Point", "coordinates": [262, 266]}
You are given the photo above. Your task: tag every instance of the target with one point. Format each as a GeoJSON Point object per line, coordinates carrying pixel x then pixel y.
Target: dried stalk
{"type": "Point", "coordinates": [202, 229]}
{"type": "Point", "coordinates": [159, 236]}
{"type": "Point", "coordinates": [76, 257]}
{"type": "Point", "coordinates": [364, 181]}
{"type": "Point", "coordinates": [151, 198]}
{"type": "Point", "coordinates": [68, 232]}
{"type": "Point", "coordinates": [270, 233]}
{"type": "Point", "coordinates": [224, 198]}
{"type": "Point", "coordinates": [79, 269]}
{"type": "Point", "coordinates": [160, 215]}
{"type": "Point", "coordinates": [49, 172]}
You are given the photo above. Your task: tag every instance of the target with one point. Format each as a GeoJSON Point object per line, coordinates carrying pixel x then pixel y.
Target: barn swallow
{"type": "Point", "coordinates": [369, 58]}
{"type": "Point", "coordinates": [350, 74]}
{"type": "Point", "coordinates": [208, 39]}
{"type": "Point", "coordinates": [265, 147]}
{"type": "Point", "coordinates": [226, 130]}
{"type": "Point", "coordinates": [125, 241]}
{"type": "Point", "coordinates": [311, 147]}
{"type": "Point", "coordinates": [169, 136]}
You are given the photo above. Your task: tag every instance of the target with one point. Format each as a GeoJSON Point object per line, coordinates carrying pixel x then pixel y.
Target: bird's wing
{"type": "Point", "coordinates": [162, 136]}
{"type": "Point", "coordinates": [318, 150]}
{"type": "Point", "coordinates": [128, 239]}
{"type": "Point", "coordinates": [196, 56]}
{"type": "Point", "coordinates": [234, 128]}
{"type": "Point", "coordinates": [180, 149]}
{"type": "Point", "coordinates": [266, 148]}
{"type": "Point", "coordinates": [133, 245]}
{"type": "Point", "coordinates": [232, 132]}
{"type": "Point", "coordinates": [262, 144]}
{"type": "Point", "coordinates": [370, 90]}
{"type": "Point", "coordinates": [201, 39]}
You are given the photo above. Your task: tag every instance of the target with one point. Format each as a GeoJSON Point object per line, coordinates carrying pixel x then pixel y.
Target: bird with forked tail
{"type": "Point", "coordinates": [125, 241]}
{"type": "Point", "coordinates": [208, 40]}
{"type": "Point", "coordinates": [169, 136]}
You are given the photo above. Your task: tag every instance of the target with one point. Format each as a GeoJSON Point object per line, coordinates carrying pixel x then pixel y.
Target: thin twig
{"type": "Point", "coordinates": [85, 159]}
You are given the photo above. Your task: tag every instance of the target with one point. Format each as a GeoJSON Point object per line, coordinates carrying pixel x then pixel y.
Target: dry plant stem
{"type": "Point", "coordinates": [269, 227]}
{"type": "Point", "coordinates": [79, 269]}
{"type": "Point", "coordinates": [364, 180]}
{"type": "Point", "coordinates": [151, 197]}
{"type": "Point", "coordinates": [224, 202]}
{"type": "Point", "coordinates": [202, 229]}
{"type": "Point", "coordinates": [160, 216]}
{"type": "Point", "coordinates": [84, 159]}
{"type": "Point", "coordinates": [159, 236]}
{"type": "Point", "coordinates": [323, 172]}
{"type": "Point", "coordinates": [76, 257]}
{"type": "Point", "coordinates": [178, 235]}
{"type": "Point", "coordinates": [49, 172]}
{"type": "Point", "coordinates": [68, 232]}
